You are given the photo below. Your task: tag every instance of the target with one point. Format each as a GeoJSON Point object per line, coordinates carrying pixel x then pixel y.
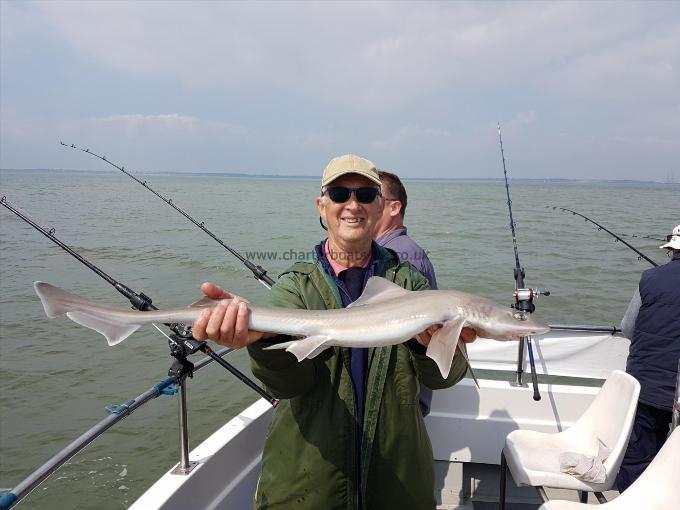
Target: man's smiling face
{"type": "Point", "coordinates": [350, 224]}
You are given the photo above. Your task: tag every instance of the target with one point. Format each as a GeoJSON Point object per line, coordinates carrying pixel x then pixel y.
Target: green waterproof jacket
{"type": "Point", "coordinates": [311, 453]}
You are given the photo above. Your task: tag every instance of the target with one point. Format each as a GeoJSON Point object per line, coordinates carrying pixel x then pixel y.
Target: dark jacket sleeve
{"type": "Point", "coordinates": [279, 370]}
{"type": "Point", "coordinates": [426, 368]}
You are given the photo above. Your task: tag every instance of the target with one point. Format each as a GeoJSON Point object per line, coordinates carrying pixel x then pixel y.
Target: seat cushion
{"type": "Point", "coordinates": [534, 459]}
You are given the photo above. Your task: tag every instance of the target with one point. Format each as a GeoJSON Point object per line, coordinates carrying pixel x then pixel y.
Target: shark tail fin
{"type": "Point", "coordinates": [114, 332]}
{"type": "Point", "coordinates": [56, 301]}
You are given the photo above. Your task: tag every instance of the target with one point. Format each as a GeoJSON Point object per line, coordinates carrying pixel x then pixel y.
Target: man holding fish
{"type": "Point", "coordinates": [358, 343]}
{"type": "Point", "coordinates": [348, 432]}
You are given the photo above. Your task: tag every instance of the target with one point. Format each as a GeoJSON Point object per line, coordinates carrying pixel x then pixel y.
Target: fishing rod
{"type": "Point", "coordinates": [139, 301]}
{"type": "Point", "coordinates": [618, 238]}
{"type": "Point", "coordinates": [259, 273]}
{"type": "Point", "coordinates": [182, 342]}
{"type": "Point", "coordinates": [524, 297]}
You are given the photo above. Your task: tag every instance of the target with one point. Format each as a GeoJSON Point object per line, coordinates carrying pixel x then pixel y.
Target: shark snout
{"type": "Point", "coordinates": [516, 325]}
{"type": "Point", "coordinates": [531, 327]}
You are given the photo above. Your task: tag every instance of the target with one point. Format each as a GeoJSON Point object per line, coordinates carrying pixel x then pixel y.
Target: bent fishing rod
{"type": "Point", "coordinates": [182, 341]}
{"type": "Point", "coordinates": [524, 297]}
{"type": "Point", "coordinates": [259, 273]}
{"type": "Point", "coordinates": [618, 238]}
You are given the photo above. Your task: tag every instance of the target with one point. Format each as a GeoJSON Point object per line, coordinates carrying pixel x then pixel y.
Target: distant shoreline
{"type": "Point", "coordinates": [239, 175]}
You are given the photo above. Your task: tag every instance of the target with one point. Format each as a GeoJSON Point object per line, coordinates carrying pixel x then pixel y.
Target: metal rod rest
{"type": "Point", "coordinates": [240, 375]}
{"type": "Point", "coordinates": [534, 376]}
{"type": "Point", "coordinates": [183, 428]}
{"type": "Point", "coordinates": [572, 327]}
{"type": "Point", "coordinates": [23, 488]}
{"type": "Point", "coordinates": [520, 361]}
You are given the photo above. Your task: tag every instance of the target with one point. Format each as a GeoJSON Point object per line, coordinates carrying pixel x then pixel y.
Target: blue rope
{"type": "Point", "coordinates": [7, 500]}
{"type": "Point", "coordinates": [119, 409]}
{"type": "Point", "coordinates": [167, 386]}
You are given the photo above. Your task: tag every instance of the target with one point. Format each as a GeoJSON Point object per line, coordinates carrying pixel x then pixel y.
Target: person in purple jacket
{"type": "Point", "coordinates": [390, 232]}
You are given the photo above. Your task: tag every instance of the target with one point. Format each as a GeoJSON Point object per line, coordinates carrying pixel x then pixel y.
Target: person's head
{"type": "Point", "coordinates": [673, 240]}
{"type": "Point", "coordinates": [351, 202]}
{"type": "Point", "coordinates": [394, 195]}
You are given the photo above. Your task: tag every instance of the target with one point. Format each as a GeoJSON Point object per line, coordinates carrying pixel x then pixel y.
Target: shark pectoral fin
{"type": "Point", "coordinates": [115, 332]}
{"type": "Point", "coordinates": [309, 347]}
{"type": "Point", "coordinates": [306, 348]}
{"type": "Point", "coordinates": [442, 346]}
{"type": "Point", "coordinates": [282, 345]}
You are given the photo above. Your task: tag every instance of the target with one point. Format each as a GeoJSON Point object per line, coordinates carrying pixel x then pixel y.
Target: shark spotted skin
{"type": "Point", "coordinates": [385, 314]}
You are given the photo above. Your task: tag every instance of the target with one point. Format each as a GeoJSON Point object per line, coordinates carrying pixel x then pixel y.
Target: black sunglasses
{"type": "Point", "coordinates": [341, 194]}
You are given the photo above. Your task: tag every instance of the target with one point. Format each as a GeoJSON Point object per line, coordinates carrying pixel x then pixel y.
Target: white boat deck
{"type": "Point", "coordinates": [467, 427]}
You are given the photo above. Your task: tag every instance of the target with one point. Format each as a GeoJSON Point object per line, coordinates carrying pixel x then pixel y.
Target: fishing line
{"type": "Point", "coordinates": [523, 296]}
{"type": "Point", "coordinates": [259, 273]}
{"type": "Point", "coordinates": [605, 265]}
{"type": "Point", "coordinates": [653, 238]}
{"type": "Point", "coordinates": [182, 341]}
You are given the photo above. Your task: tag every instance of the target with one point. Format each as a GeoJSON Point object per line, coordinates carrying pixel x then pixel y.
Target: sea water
{"type": "Point", "coordinates": [57, 377]}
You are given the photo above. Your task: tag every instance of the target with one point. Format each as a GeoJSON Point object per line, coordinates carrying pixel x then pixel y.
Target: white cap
{"type": "Point", "coordinates": [674, 243]}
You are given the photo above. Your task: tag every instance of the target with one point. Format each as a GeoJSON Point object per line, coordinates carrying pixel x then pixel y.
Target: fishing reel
{"type": "Point", "coordinates": [181, 346]}
{"type": "Point", "coordinates": [524, 301]}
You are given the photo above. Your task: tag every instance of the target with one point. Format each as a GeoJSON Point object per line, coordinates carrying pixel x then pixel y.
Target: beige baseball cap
{"type": "Point", "coordinates": [349, 164]}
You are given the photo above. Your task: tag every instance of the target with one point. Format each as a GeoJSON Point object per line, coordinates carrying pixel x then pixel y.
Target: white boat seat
{"type": "Point", "coordinates": [658, 487]}
{"type": "Point", "coordinates": [533, 458]}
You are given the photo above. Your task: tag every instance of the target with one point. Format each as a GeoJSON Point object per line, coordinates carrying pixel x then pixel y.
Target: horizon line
{"type": "Point", "coordinates": [311, 177]}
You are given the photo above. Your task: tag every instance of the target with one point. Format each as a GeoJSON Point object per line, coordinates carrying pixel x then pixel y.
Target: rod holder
{"type": "Point", "coordinates": [185, 466]}
{"type": "Point", "coordinates": [520, 361]}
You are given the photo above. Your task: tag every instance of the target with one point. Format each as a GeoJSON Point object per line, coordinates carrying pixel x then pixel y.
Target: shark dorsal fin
{"type": "Point", "coordinates": [377, 290]}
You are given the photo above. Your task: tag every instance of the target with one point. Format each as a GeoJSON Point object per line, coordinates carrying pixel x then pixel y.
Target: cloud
{"type": "Point", "coordinates": [518, 124]}
{"type": "Point", "coordinates": [147, 141]}
{"type": "Point", "coordinates": [417, 86]}
{"type": "Point", "coordinates": [410, 134]}
{"type": "Point", "coordinates": [380, 55]}
{"type": "Point", "coordinates": [139, 120]}
{"type": "Point", "coordinates": [160, 123]}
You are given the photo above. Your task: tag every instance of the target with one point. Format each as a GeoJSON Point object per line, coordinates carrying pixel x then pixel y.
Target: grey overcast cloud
{"type": "Point", "coordinates": [583, 90]}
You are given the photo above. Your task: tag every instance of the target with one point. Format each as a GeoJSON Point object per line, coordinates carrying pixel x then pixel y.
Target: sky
{"type": "Point", "coordinates": [582, 90]}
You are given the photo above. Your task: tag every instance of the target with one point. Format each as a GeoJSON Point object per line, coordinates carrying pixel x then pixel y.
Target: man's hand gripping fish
{"type": "Point", "coordinates": [385, 314]}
